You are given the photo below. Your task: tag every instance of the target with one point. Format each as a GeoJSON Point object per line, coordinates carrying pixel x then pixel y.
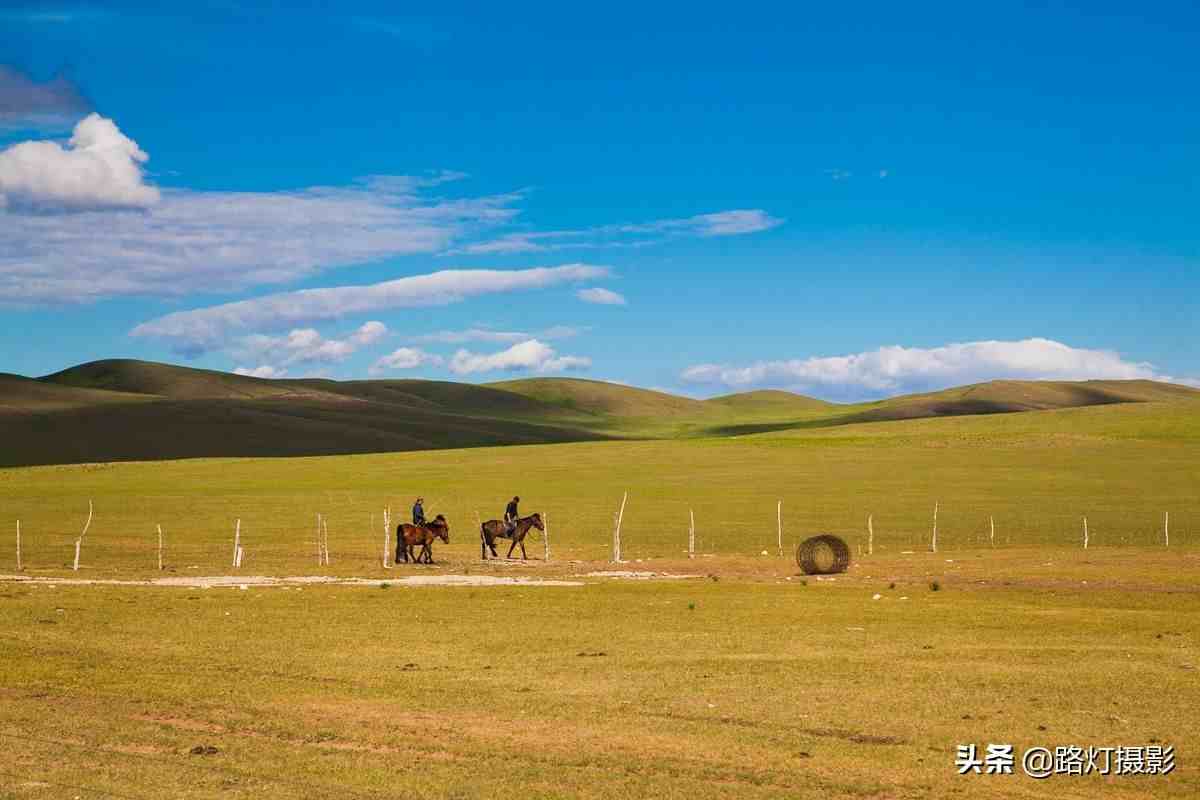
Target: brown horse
{"type": "Point", "coordinates": [494, 529]}
{"type": "Point", "coordinates": [409, 536]}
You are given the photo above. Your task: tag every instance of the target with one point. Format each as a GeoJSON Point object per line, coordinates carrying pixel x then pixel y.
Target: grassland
{"type": "Point", "coordinates": [747, 681]}
{"type": "Point", "coordinates": [125, 410]}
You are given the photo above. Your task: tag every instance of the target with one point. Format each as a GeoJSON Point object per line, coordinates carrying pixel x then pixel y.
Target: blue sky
{"type": "Point", "coordinates": [851, 202]}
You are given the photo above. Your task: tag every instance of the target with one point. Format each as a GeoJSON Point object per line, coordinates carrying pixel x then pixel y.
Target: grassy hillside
{"type": "Point", "coordinates": [20, 395]}
{"type": "Point", "coordinates": [120, 410]}
{"type": "Point", "coordinates": [748, 680]}
{"type": "Point", "coordinates": [1036, 474]}
{"type": "Point", "coordinates": [995, 397]}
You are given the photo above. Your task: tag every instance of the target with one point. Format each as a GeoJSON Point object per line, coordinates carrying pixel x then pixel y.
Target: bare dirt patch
{"type": "Point", "coordinates": [246, 581]}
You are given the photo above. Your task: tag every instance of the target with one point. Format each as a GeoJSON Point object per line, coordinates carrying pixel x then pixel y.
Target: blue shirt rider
{"type": "Point", "coordinates": [418, 511]}
{"type": "Point", "coordinates": [511, 515]}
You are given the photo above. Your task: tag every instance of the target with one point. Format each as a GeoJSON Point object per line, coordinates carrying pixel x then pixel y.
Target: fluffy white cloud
{"type": "Point", "coordinates": [894, 370]}
{"type": "Point", "coordinates": [603, 297]}
{"type": "Point", "coordinates": [369, 333]}
{"type": "Point", "coordinates": [722, 223]}
{"type": "Point", "coordinates": [531, 355]}
{"type": "Point", "coordinates": [25, 103]}
{"type": "Point", "coordinates": [192, 241]}
{"type": "Point", "coordinates": [307, 346]}
{"type": "Point", "coordinates": [100, 168]}
{"type": "Point", "coordinates": [193, 332]}
{"type": "Point", "coordinates": [489, 335]}
{"type": "Point", "coordinates": [403, 358]}
{"type": "Point", "coordinates": [264, 371]}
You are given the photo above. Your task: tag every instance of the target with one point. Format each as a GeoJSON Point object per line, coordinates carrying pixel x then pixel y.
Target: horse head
{"type": "Point", "coordinates": [441, 528]}
{"type": "Point", "coordinates": [537, 522]}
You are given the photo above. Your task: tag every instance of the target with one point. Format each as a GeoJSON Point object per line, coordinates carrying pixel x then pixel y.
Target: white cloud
{"type": "Point", "coordinates": [264, 371]}
{"type": "Point", "coordinates": [25, 103]}
{"type": "Point", "coordinates": [735, 222]}
{"type": "Point", "coordinates": [100, 168]}
{"type": "Point", "coordinates": [490, 335]}
{"type": "Point", "coordinates": [603, 297]}
{"type": "Point", "coordinates": [896, 370]}
{"type": "Point", "coordinates": [193, 332]}
{"type": "Point", "coordinates": [404, 358]}
{"type": "Point", "coordinates": [199, 241]}
{"type": "Point", "coordinates": [369, 333]}
{"type": "Point", "coordinates": [307, 346]}
{"type": "Point", "coordinates": [531, 355]}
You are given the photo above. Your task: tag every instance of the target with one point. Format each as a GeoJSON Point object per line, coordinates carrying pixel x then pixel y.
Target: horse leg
{"type": "Point", "coordinates": [510, 548]}
{"type": "Point", "coordinates": [523, 556]}
{"type": "Point", "coordinates": [482, 545]}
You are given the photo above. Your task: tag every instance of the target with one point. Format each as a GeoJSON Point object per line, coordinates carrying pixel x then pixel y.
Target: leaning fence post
{"type": "Point", "coordinates": [318, 539]}
{"type": "Point", "coordinates": [870, 535]}
{"type": "Point", "coordinates": [1085, 533]}
{"type": "Point", "coordinates": [1166, 529]}
{"type": "Point", "coordinates": [617, 529]}
{"type": "Point", "coordinates": [237, 540]}
{"type": "Point", "coordinates": [992, 533]}
{"type": "Point", "coordinates": [325, 540]}
{"type": "Point", "coordinates": [79, 541]}
{"type": "Point", "coordinates": [933, 541]}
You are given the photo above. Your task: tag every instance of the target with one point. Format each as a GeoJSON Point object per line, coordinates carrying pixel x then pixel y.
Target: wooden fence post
{"type": "Point", "coordinates": [933, 541]}
{"type": "Point", "coordinates": [325, 539]}
{"type": "Point", "coordinates": [870, 535]}
{"type": "Point", "coordinates": [617, 530]}
{"type": "Point", "coordinates": [237, 540]}
{"type": "Point", "coordinates": [779, 526]}
{"type": "Point", "coordinates": [992, 533]}
{"type": "Point", "coordinates": [1166, 529]}
{"type": "Point", "coordinates": [387, 535]}
{"type": "Point", "coordinates": [160, 547]}
{"type": "Point", "coordinates": [546, 537]}
{"type": "Point", "coordinates": [692, 533]}
{"type": "Point", "coordinates": [79, 541]}
{"type": "Point", "coordinates": [18, 545]}
{"type": "Point", "coordinates": [1085, 533]}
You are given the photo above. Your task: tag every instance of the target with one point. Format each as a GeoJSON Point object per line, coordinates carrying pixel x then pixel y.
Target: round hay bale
{"type": "Point", "coordinates": [823, 555]}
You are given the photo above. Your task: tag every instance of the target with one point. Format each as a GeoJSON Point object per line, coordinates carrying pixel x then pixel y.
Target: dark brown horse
{"type": "Point", "coordinates": [409, 536]}
{"type": "Point", "coordinates": [494, 529]}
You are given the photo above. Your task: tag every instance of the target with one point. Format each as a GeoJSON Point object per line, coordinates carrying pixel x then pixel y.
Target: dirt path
{"type": "Point", "coordinates": [246, 581]}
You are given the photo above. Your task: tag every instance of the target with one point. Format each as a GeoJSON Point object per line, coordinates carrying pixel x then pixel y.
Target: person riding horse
{"type": "Point", "coordinates": [418, 511]}
{"type": "Point", "coordinates": [511, 515]}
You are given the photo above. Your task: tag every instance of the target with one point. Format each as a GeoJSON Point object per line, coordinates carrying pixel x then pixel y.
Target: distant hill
{"type": "Point", "coordinates": [771, 401]}
{"type": "Point", "coordinates": [124, 409]}
{"type": "Point", "coordinates": [997, 397]}
{"type": "Point", "coordinates": [601, 398]}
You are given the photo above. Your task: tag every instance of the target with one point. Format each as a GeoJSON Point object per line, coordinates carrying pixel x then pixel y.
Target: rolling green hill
{"type": "Point", "coordinates": [120, 410]}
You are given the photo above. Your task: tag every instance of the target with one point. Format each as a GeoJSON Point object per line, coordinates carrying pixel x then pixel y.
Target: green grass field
{"type": "Point", "coordinates": [749, 680]}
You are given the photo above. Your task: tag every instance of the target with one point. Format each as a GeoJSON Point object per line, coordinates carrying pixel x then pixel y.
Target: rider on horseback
{"type": "Point", "coordinates": [511, 515]}
{"type": "Point", "coordinates": [418, 511]}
